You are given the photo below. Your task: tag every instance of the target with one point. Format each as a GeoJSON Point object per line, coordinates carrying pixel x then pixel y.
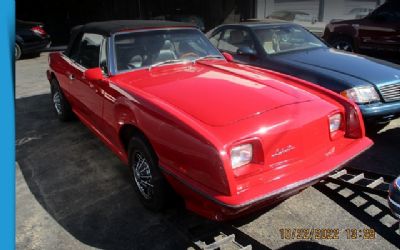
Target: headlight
{"type": "Point", "coordinates": [241, 155]}
{"type": "Point", "coordinates": [363, 94]}
{"type": "Point", "coordinates": [335, 122]}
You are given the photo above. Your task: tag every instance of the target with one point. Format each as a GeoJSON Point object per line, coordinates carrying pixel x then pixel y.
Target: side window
{"type": "Point", "coordinates": [215, 38]}
{"type": "Point", "coordinates": [233, 39]}
{"type": "Point", "coordinates": [89, 51]}
{"type": "Point", "coordinates": [73, 54]}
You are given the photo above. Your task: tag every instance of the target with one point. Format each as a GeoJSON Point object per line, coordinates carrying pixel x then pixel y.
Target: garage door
{"type": "Point", "coordinates": [309, 6]}
{"type": "Point", "coordinates": [267, 7]}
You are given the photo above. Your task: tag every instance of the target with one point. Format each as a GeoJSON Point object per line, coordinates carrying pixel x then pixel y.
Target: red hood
{"type": "Point", "coordinates": [215, 92]}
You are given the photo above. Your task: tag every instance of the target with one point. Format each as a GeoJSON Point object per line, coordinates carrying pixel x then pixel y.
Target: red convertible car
{"type": "Point", "coordinates": [228, 138]}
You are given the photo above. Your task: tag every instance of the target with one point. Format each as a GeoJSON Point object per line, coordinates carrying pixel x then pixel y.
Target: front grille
{"type": "Point", "coordinates": [390, 92]}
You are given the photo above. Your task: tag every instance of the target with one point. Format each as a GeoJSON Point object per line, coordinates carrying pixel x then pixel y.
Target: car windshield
{"type": "Point", "coordinates": [279, 39]}
{"type": "Point", "coordinates": [143, 49]}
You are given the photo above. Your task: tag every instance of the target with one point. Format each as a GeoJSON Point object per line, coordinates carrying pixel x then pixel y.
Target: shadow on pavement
{"type": "Point", "coordinates": [83, 185]}
{"type": "Point", "coordinates": [384, 156]}
{"type": "Point", "coordinates": [363, 211]}
{"type": "Point", "coordinates": [29, 56]}
{"type": "Point", "coordinates": [306, 245]}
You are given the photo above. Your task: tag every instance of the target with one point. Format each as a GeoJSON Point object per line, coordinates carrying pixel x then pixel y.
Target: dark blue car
{"type": "Point", "coordinates": [289, 48]}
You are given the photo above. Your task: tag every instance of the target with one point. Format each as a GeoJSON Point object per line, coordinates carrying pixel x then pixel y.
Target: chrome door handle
{"type": "Point", "coordinates": [71, 76]}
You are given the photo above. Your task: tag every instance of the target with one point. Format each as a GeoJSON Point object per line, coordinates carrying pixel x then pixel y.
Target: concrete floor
{"type": "Point", "coordinates": [73, 193]}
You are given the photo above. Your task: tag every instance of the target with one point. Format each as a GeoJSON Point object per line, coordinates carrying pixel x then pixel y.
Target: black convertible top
{"type": "Point", "coordinates": [107, 28]}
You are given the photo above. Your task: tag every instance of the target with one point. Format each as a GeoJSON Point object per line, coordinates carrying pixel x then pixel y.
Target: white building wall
{"type": "Point", "coordinates": [264, 8]}
{"type": "Point", "coordinates": [349, 4]}
{"type": "Point", "coordinates": [260, 9]}
{"type": "Point", "coordinates": [333, 9]}
{"type": "Point", "coordinates": [311, 7]}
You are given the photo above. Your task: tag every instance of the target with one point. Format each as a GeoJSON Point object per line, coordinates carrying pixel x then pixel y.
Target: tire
{"type": "Point", "coordinates": [343, 43]}
{"type": "Point", "coordinates": [17, 52]}
{"type": "Point", "coordinates": [150, 185]}
{"type": "Point", "coordinates": [60, 103]}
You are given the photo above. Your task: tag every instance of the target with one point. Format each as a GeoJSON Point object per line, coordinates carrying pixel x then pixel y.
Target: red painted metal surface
{"type": "Point", "coordinates": [194, 113]}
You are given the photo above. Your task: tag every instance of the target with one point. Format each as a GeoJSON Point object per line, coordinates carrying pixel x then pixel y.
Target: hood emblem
{"type": "Point", "coordinates": [284, 150]}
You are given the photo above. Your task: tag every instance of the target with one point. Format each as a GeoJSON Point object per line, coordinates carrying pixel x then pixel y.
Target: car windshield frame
{"type": "Point", "coordinates": [260, 43]}
{"type": "Point", "coordinates": [113, 55]}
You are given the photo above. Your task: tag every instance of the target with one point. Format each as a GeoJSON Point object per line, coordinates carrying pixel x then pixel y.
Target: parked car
{"type": "Point", "coordinates": [377, 34]}
{"type": "Point", "coordinates": [228, 138]}
{"type": "Point", "coordinates": [394, 198]}
{"type": "Point", "coordinates": [290, 49]}
{"type": "Point", "coordinates": [30, 38]}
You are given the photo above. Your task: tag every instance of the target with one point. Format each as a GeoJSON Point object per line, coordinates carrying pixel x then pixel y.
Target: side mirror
{"type": "Point", "coordinates": [94, 74]}
{"type": "Point", "coordinates": [246, 51]}
{"type": "Point", "coordinates": [228, 56]}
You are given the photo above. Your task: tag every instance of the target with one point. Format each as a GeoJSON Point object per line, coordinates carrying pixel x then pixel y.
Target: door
{"type": "Point", "coordinates": [86, 94]}
{"type": "Point", "coordinates": [380, 31]}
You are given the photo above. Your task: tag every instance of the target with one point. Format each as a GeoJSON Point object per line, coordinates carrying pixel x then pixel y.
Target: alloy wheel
{"type": "Point", "coordinates": [142, 176]}
{"type": "Point", "coordinates": [57, 102]}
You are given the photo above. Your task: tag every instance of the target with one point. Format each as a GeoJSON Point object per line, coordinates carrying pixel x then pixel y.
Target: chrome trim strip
{"type": "Point", "coordinates": [390, 92]}
{"type": "Point", "coordinates": [73, 63]}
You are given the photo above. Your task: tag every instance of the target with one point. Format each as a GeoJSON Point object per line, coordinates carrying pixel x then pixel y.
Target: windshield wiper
{"type": "Point", "coordinates": [180, 60]}
{"type": "Point", "coordinates": [207, 57]}
{"type": "Point", "coordinates": [166, 62]}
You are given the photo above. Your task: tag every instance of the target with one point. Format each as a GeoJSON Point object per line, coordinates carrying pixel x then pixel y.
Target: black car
{"type": "Point", "coordinates": [289, 48]}
{"type": "Point", "coordinates": [30, 38]}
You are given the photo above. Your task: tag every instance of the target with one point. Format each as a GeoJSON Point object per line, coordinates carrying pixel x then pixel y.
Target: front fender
{"type": "Point", "coordinates": [124, 112]}
{"type": "Point", "coordinates": [182, 149]}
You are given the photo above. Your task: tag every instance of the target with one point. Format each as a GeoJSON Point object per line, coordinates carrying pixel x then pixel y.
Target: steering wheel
{"type": "Point", "coordinates": [189, 54]}
{"type": "Point", "coordinates": [135, 62]}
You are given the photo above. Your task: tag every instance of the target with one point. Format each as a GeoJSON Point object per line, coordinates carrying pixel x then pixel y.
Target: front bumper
{"type": "Point", "coordinates": [380, 112]}
{"type": "Point", "coordinates": [394, 197]}
{"type": "Point", "coordinates": [222, 207]}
